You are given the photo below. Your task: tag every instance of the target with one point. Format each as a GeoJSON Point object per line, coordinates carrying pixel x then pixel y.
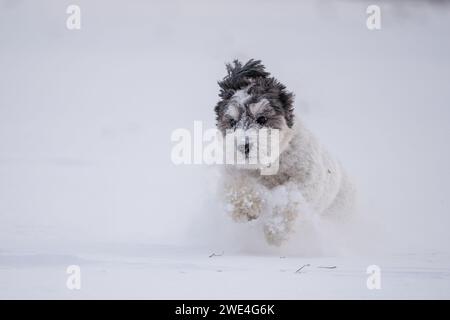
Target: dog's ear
{"type": "Point", "coordinates": [239, 76]}
{"type": "Point", "coordinates": [287, 100]}
{"type": "Point", "coordinates": [276, 93]}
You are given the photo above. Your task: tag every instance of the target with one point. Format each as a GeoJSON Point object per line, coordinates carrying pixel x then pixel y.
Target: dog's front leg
{"type": "Point", "coordinates": [244, 198]}
{"type": "Point", "coordinates": [285, 205]}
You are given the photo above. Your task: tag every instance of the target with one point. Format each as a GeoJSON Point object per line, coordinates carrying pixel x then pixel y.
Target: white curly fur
{"type": "Point", "coordinates": [308, 183]}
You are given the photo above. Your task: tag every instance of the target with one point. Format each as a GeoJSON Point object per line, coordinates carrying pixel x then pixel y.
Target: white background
{"type": "Point", "coordinates": [85, 124]}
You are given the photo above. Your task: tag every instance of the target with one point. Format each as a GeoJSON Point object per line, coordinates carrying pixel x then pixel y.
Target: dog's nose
{"type": "Point", "coordinates": [244, 148]}
{"type": "Point", "coordinates": [247, 148]}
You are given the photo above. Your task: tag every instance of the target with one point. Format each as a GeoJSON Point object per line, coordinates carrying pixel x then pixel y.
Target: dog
{"type": "Point", "coordinates": [308, 180]}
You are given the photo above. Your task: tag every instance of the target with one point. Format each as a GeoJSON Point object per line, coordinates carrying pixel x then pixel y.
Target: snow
{"type": "Point", "coordinates": [171, 272]}
{"type": "Point", "coordinates": [86, 118]}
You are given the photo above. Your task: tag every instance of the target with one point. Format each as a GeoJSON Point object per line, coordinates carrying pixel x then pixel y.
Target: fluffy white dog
{"type": "Point", "coordinates": [308, 181]}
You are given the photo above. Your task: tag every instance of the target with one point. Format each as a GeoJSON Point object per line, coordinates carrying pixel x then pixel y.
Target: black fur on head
{"type": "Point", "coordinates": [240, 76]}
{"type": "Point", "coordinates": [258, 85]}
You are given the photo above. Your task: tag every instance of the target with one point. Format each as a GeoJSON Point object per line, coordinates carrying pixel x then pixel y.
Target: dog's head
{"type": "Point", "coordinates": [252, 100]}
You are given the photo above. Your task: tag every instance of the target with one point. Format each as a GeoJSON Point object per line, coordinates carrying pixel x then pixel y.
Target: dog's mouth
{"type": "Point", "coordinates": [244, 149]}
{"type": "Point", "coordinates": [252, 149]}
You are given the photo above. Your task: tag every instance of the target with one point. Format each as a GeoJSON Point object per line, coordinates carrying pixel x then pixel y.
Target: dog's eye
{"type": "Point", "coordinates": [232, 122]}
{"type": "Point", "coordinates": [261, 120]}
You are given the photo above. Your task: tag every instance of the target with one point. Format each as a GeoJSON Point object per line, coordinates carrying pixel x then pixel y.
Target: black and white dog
{"type": "Point", "coordinates": [308, 180]}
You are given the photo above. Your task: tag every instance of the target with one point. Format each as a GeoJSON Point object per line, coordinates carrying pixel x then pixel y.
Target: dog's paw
{"type": "Point", "coordinates": [280, 225]}
{"type": "Point", "coordinates": [244, 203]}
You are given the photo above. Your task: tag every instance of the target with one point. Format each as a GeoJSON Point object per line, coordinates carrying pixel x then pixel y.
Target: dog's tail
{"type": "Point", "coordinates": [240, 76]}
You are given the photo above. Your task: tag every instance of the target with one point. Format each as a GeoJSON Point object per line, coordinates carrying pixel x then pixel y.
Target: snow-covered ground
{"type": "Point", "coordinates": [85, 123]}
{"type": "Point", "coordinates": [171, 272]}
